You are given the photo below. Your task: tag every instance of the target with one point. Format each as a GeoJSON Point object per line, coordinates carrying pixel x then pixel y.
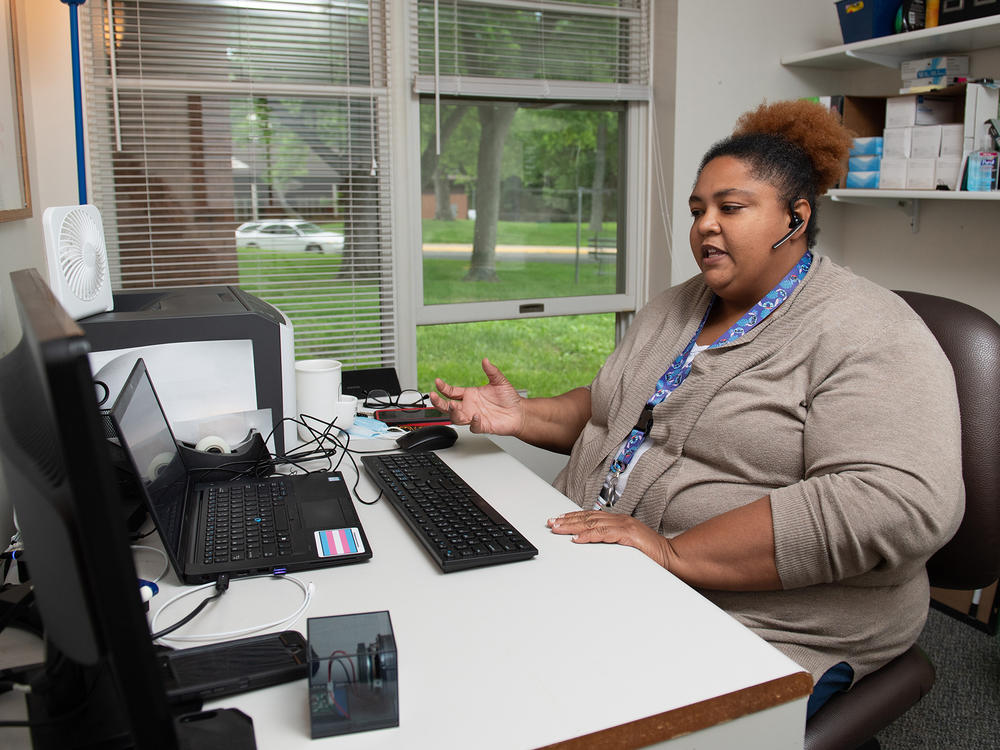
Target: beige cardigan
{"type": "Point", "coordinates": [842, 407]}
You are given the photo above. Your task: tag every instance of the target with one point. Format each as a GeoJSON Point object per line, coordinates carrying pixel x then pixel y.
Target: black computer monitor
{"type": "Point", "coordinates": [100, 683]}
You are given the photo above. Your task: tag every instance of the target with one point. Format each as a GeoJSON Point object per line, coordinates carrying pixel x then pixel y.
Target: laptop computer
{"type": "Point", "coordinates": [239, 526]}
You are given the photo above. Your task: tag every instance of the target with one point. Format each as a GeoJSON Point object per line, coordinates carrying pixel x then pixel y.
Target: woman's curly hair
{"type": "Point", "coordinates": [799, 147]}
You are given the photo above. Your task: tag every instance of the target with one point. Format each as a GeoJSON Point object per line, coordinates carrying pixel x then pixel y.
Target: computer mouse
{"type": "Point", "coordinates": [430, 438]}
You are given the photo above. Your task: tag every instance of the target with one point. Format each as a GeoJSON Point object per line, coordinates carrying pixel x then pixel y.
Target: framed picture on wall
{"type": "Point", "coordinates": [15, 193]}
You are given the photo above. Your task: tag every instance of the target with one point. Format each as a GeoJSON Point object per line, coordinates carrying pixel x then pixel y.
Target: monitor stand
{"type": "Point", "coordinates": [222, 728]}
{"type": "Point", "coordinates": [60, 720]}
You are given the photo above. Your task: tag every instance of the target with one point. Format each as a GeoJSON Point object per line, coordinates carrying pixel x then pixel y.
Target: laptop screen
{"type": "Point", "coordinates": [146, 437]}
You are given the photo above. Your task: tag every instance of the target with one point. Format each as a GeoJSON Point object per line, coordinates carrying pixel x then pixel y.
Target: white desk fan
{"type": "Point", "coordinates": [79, 274]}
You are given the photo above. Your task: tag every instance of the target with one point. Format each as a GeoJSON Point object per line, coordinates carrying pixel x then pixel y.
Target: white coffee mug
{"type": "Point", "coordinates": [317, 393]}
{"type": "Point", "coordinates": [346, 409]}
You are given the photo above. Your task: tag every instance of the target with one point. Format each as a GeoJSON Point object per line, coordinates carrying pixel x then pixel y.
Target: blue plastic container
{"type": "Point", "coordinates": [866, 19]}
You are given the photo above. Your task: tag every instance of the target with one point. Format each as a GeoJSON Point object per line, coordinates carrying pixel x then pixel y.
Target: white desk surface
{"type": "Point", "coordinates": [580, 639]}
{"type": "Point", "coordinates": [587, 645]}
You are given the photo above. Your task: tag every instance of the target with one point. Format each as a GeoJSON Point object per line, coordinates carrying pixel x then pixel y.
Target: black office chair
{"type": "Point", "coordinates": [971, 560]}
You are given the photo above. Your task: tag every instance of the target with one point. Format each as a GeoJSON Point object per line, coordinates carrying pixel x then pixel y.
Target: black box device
{"type": "Point", "coordinates": [144, 319]}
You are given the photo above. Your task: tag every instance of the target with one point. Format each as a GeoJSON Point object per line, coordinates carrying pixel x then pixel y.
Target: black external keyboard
{"type": "Point", "coordinates": [455, 524]}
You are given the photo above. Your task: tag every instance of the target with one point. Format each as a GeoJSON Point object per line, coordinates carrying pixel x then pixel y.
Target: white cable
{"type": "Point", "coordinates": [115, 105]}
{"type": "Point", "coordinates": [371, 93]}
{"type": "Point", "coordinates": [437, 84]}
{"type": "Point", "coordinates": [307, 592]}
{"type": "Point", "coordinates": [161, 553]}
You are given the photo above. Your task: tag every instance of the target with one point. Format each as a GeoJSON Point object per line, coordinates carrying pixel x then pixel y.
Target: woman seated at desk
{"type": "Point", "coordinates": [776, 431]}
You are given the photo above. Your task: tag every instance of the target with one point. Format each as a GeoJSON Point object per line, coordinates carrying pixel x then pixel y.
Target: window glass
{"type": "Point", "coordinates": [522, 201]}
{"type": "Point", "coordinates": [205, 115]}
{"type": "Point", "coordinates": [540, 356]}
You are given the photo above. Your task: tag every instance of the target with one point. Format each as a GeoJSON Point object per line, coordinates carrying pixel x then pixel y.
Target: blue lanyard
{"type": "Point", "coordinates": [681, 366]}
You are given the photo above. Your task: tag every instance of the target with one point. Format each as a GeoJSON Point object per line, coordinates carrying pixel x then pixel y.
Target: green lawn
{"type": "Point", "coordinates": [443, 281]}
{"type": "Point", "coordinates": [544, 356]}
{"type": "Point", "coordinates": [305, 287]}
{"type": "Point", "coordinates": [560, 234]}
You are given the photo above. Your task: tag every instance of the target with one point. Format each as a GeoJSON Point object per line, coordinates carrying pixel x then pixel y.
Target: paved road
{"type": "Point", "coordinates": [546, 253]}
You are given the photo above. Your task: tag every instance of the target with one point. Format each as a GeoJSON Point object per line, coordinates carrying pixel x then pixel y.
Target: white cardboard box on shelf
{"type": "Point", "coordinates": [896, 142]}
{"type": "Point", "coordinates": [931, 67]}
{"type": "Point", "coordinates": [981, 104]}
{"type": "Point", "coordinates": [925, 142]}
{"type": "Point", "coordinates": [952, 140]}
{"type": "Point", "coordinates": [918, 109]}
{"type": "Point", "coordinates": [920, 174]}
{"type": "Point", "coordinates": [892, 174]}
{"type": "Point", "coordinates": [948, 171]}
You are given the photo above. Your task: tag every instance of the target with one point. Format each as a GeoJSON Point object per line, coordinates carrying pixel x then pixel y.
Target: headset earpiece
{"type": "Point", "coordinates": [793, 226]}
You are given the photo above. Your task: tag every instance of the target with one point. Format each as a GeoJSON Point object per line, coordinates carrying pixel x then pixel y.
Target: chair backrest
{"type": "Point", "coordinates": [971, 340]}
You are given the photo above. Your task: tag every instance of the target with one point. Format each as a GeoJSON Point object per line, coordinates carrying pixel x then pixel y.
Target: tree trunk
{"type": "Point", "coordinates": [442, 196]}
{"type": "Point", "coordinates": [600, 159]}
{"type": "Point", "coordinates": [495, 121]}
{"type": "Point", "coordinates": [430, 163]}
{"type": "Point", "coordinates": [429, 158]}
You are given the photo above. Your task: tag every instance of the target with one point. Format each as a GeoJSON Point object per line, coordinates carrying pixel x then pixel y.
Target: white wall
{"type": "Point", "coordinates": [46, 79]}
{"type": "Point", "coordinates": [729, 53]}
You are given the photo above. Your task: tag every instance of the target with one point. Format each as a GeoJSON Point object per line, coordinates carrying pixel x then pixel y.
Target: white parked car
{"type": "Point", "coordinates": [289, 235]}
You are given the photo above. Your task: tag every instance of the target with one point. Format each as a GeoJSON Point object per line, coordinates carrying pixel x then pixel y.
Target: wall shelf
{"type": "Point", "coordinates": [880, 196]}
{"type": "Point", "coordinates": [890, 51]}
{"type": "Point", "coordinates": [908, 200]}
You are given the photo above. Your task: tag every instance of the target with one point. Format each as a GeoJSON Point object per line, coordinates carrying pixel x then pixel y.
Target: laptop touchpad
{"type": "Point", "coordinates": [324, 515]}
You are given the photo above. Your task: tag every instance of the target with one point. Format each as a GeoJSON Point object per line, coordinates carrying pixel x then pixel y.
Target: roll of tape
{"type": "Point", "coordinates": [158, 464]}
{"type": "Point", "coordinates": [213, 444]}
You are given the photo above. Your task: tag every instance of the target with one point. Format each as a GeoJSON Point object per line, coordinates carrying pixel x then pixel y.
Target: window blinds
{"type": "Point", "coordinates": [203, 115]}
{"type": "Point", "coordinates": [532, 49]}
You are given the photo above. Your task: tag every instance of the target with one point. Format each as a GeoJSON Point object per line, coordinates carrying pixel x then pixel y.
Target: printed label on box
{"type": "Point", "coordinates": [926, 67]}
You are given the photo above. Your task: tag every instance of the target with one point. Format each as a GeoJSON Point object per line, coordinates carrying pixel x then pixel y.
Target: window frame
{"type": "Point", "coordinates": [634, 182]}
{"type": "Point", "coordinates": [378, 344]}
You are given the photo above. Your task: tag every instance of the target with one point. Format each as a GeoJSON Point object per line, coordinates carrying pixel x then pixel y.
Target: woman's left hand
{"type": "Point", "coordinates": [733, 551]}
{"type": "Point", "coordinates": [589, 526]}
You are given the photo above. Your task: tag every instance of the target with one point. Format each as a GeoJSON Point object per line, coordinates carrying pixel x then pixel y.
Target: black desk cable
{"type": "Point", "coordinates": [221, 586]}
{"type": "Point", "coordinates": [315, 448]}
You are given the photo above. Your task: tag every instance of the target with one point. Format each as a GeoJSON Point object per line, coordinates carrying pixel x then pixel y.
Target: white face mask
{"type": "Point", "coordinates": [366, 427]}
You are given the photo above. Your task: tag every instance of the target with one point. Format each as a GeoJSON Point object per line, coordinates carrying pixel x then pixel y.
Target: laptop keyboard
{"type": "Point", "coordinates": [246, 521]}
{"type": "Point", "coordinates": [455, 524]}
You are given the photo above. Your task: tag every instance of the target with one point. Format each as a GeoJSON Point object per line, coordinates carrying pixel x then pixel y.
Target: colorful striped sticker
{"type": "Point", "coordinates": [333, 542]}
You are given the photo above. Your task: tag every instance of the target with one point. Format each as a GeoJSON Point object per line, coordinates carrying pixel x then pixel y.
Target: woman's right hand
{"type": "Point", "coordinates": [494, 408]}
